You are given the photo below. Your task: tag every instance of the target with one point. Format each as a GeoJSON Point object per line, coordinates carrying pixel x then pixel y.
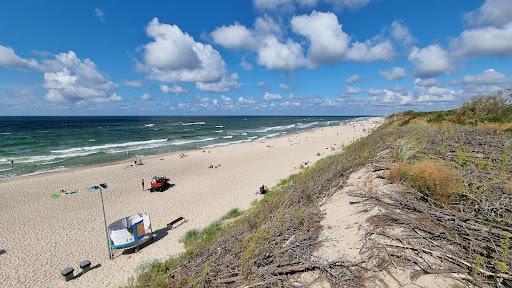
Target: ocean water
{"type": "Point", "coordinates": [43, 144]}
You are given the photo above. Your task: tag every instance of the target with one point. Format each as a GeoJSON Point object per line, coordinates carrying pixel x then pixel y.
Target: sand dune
{"type": "Point", "coordinates": [42, 235]}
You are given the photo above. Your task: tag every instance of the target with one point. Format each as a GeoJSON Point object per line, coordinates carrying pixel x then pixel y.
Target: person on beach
{"type": "Point", "coordinates": [12, 162]}
{"type": "Point", "coordinates": [142, 184]}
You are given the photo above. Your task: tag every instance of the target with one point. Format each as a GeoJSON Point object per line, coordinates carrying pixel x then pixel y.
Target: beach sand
{"type": "Point", "coordinates": [42, 236]}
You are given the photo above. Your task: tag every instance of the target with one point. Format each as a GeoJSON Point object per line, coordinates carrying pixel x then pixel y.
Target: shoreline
{"type": "Point", "coordinates": [173, 153]}
{"type": "Point", "coordinates": [42, 235]}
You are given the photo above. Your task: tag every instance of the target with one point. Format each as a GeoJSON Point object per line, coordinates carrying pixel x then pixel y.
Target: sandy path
{"type": "Point", "coordinates": [43, 235]}
{"type": "Point", "coordinates": [344, 226]}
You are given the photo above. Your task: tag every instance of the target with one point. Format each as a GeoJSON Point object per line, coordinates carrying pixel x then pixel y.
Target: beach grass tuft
{"type": "Point", "coordinates": [434, 179]}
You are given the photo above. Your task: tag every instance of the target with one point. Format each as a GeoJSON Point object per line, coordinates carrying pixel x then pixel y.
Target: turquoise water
{"type": "Point", "coordinates": [42, 144]}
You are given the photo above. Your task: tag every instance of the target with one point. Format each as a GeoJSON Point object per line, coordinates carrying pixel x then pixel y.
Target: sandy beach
{"type": "Point", "coordinates": [42, 235]}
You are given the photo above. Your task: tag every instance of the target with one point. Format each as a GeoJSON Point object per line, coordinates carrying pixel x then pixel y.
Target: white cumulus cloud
{"type": "Point", "coordinates": [383, 97]}
{"type": "Point", "coordinates": [277, 55]}
{"type": "Point", "coordinates": [67, 78]}
{"type": "Point", "coordinates": [481, 41]}
{"type": "Point", "coordinates": [435, 94]}
{"type": "Point", "coordinates": [291, 5]}
{"type": "Point", "coordinates": [393, 74]}
{"type": "Point", "coordinates": [246, 101]}
{"type": "Point", "coordinates": [9, 59]}
{"type": "Point", "coordinates": [234, 36]}
{"type": "Point", "coordinates": [145, 96]}
{"type": "Point", "coordinates": [272, 96]}
{"type": "Point", "coordinates": [227, 83]}
{"type": "Point", "coordinates": [174, 89]}
{"type": "Point", "coordinates": [70, 79]}
{"type": "Point", "coordinates": [352, 79]}
{"type": "Point", "coordinates": [430, 61]}
{"type": "Point", "coordinates": [283, 86]}
{"type": "Point", "coordinates": [328, 42]}
{"type": "Point", "coordinates": [401, 33]}
{"type": "Point", "coordinates": [352, 90]}
{"type": "Point", "coordinates": [132, 83]}
{"type": "Point", "coordinates": [174, 56]}
{"type": "Point", "coordinates": [488, 77]}
{"type": "Point", "coordinates": [368, 51]}
{"type": "Point", "coordinates": [492, 12]}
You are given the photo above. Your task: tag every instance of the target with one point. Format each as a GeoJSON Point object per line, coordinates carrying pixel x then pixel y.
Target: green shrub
{"type": "Point", "coordinates": [501, 263]}
{"type": "Point", "coordinates": [475, 269]}
{"type": "Point", "coordinates": [462, 157]}
{"type": "Point", "coordinates": [491, 108]}
{"type": "Point", "coordinates": [483, 164]}
{"type": "Point", "coordinates": [233, 213]}
{"type": "Point", "coordinates": [190, 237]}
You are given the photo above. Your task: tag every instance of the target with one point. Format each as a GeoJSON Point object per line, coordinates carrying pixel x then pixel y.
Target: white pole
{"type": "Point", "coordinates": [105, 222]}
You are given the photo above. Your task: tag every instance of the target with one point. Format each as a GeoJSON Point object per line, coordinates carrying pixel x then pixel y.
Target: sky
{"type": "Point", "coordinates": [259, 57]}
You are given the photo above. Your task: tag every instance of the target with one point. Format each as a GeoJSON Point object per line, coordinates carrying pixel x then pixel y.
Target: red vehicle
{"type": "Point", "coordinates": [159, 183]}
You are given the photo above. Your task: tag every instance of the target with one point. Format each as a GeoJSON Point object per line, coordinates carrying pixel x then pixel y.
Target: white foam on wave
{"type": "Point", "coordinates": [270, 136]}
{"type": "Point", "coordinates": [107, 146]}
{"type": "Point", "coordinates": [5, 133]}
{"type": "Point", "coordinates": [46, 158]}
{"type": "Point", "coordinates": [274, 128]}
{"type": "Point", "coordinates": [140, 147]}
{"type": "Point", "coordinates": [45, 171]}
{"type": "Point", "coordinates": [306, 125]}
{"type": "Point", "coordinates": [149, 125]}
{"type": "Point", "coordinates": [183, 142]}
{"type": "Point", "coordinates": [193, 123]}
{"type": "Point", "coordinates": [219, 126]}
{"type": "Point", "coordinates": [227, 137]}
{"type": "Point", "coordinates": [229, 143]}
{"type": "Point", "coordinates": [218, 131]}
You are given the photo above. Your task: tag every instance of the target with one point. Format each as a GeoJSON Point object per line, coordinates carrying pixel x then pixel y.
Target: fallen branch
{"type": "Point", "coordinates": [452, 258]}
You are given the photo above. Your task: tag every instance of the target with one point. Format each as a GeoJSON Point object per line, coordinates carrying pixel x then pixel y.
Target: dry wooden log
{"type": "Point", "coordinates": [453, 258]}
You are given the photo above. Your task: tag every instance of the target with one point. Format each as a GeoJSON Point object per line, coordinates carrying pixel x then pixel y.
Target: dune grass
{"type": "Point", "coordinates": [491, 112]}
{"type": "Point", "coordinates": [443, 155]}
{"type": "Point", "coordinates": [208, 234]}
{"type": "Point", "coordinates": [431, 178]}
{"type": "Point", "coordinates": [256, 237]}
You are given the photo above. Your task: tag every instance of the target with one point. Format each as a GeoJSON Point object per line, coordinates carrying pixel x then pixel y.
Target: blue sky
{"type": "Point", "coordinates": [260, 57]}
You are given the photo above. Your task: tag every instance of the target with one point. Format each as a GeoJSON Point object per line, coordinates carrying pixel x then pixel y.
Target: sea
{"type": "Point", "coordinates": [45, 144]}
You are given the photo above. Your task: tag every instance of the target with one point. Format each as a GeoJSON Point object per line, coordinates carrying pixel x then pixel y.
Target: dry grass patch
{"type": "Point", "coordinates": [496, 127]}
{"type": "Point", "coordinates": [431, 178]}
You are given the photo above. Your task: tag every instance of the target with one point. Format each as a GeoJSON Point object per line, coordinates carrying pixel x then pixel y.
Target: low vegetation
{"type": "Point", "coordinates": [492, 112]}
{"type": "Point", "coordinates": [281, 229]}
{"type": "Point", "coordinates": [433, 179]}
{"type": "Point", "coordinates": [455, 205]}
{"type": "Point", "coordinates": [208, 234]}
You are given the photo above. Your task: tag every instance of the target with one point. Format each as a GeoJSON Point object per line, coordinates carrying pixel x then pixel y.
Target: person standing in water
{"type": "Point", "coordinates": [142, 184]}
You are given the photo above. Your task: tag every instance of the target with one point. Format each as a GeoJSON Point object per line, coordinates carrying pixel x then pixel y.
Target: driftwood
{"type": "Point", "coordinates": [293, 268]}
{"type": "Point", "coordinates": [452, 258]}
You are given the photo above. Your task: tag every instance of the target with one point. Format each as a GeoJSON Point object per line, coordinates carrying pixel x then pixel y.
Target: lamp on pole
{"type": "Point", "coordinates": [100, 187]}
